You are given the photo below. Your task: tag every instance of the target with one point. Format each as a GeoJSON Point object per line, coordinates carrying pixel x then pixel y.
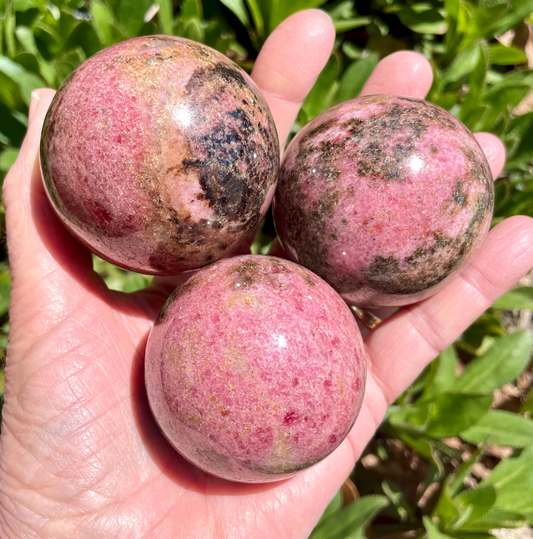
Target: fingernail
{"type": "Point", "coordinates": [33, 104]}
{"type": "Point", "coordinates": [323, 13]}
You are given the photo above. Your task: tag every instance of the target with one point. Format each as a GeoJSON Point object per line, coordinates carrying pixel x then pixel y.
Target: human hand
{"type": "Point", "coordinates": [81, 455]}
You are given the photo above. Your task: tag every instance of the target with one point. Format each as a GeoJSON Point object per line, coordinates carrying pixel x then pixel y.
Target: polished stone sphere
{"type": "Point", "coordinates": [383, 197]}
{"type": "Point", "coordinates": [160, 155]}
{"type": "Point", "coordinates": [255, 369]}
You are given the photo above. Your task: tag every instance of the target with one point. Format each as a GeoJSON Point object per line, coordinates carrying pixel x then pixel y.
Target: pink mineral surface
{"type": "Point", "coordinates": [384, 198]}
{"type": "Point", "coordinates": [255, 369]}
{"type": "Point", "coordinates": [160, 154]}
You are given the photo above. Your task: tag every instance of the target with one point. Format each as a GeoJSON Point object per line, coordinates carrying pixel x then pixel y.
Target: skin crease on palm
{"type": "Point", "coordinates": [81, 455]}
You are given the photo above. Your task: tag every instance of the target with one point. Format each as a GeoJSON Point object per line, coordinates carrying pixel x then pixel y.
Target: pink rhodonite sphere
{"type": "Point", "coordinates": [160, 154]}
{"type": "Point", "coordinates": [255, 369]}
{"type": "Point", "coordinates": [383, 197]}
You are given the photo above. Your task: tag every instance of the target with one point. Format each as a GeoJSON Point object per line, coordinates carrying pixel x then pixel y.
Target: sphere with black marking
{"type": "Point", "coordinates": [160, 155]}
{"type": "Point", "coordinates": [385, 198]}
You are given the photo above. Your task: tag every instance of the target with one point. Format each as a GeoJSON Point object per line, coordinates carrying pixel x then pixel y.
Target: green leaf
{"type": "Point", "coordinates": [134, 282]}
{"type": "Point", "coordinates": [23, 5]}
{"type": "Point", "coordinates": [9, 95]}
{"type": "Point", "coordinates": [131, 14]}
{"type": "Point", "coordinates": [102, 22]}
{"type": "Point", "coordinates": [520, 9]}
{"type": "Point", "coordinates": [476, 80]}
{"type": "Point", "coordinates": [452, 9]}
{"type": "Point", "coordinates": [49, 34]}
{"type": "Point", "coordinates": [395, 495]}
{"type": "Point", "coordinates": [508, 96]}
{"type": "Point", "coordinates": [478, 22]}
{"type": "Point", "coordinates": [341, 9]}
{"type": "Point", "coordinates": [355, 77]}
{"type": "Point", "coordinates": [513, 480]}
{"type": "Point", "coordinates": [345, 25]}
{"type": "Point", "coordinates": [427, 448]}
{"type": "Point", "coordinates": [441, 374]}
{"type": "Point", "coordinates": [412, 418]}
{"type": "Point", "coordinates": [498, 427]}
{"type": "Point", "coordinates": [423, 18]}
{"type": "Point", "coordinates": [281, 9]}
{"type": "Point", "coordinates": [191, 9]}
{"type": "Point", "coordinates": [432, 529]}
{"type": "Point", "coordinates": [462, 66]}
{"type": "Point", "coordinates": [472, 113]}
{"type": "Point", "coordinates": [446, 100]}
{"type": "Point", "coordinates": [520, 131]}
{"type": "Point", "coordinates": [27, 82]}
{"type": "Point", "coordinates": [257, 17]}
{"type": "Point", "coordinates": [84, 36]}
{"type": "Point", "coordinates": [471, 110]}
{"type": "Point", "coordinates": [26, 38]}
{"type": "Point", "coordinates": [455, 481]}
{"type": "Point", "coordinates": [353, 52]}
{"type": "Point", "coordinates": [5, 291]}
{"type": "Point", "coordinates": [238, 7]}
{"type": "Point", "coordinates": [527, 404]}
{"type": "Point", "coordinates": [515, 300]}
{"type": "Point", "coordinates": [474, 504]}
{"type": "Point", "coordinates": [7, 158]}
{"type": "Point", "coordinates": [351, 519]}
{"type": "Point", "coordinates": [22, 118]}
{"type": "Point", "coordinates": [496, 519]}
{"type": "Point", "coordinates": [10, 24]}
{"type": "Point", "coordinates": [12, 127]}
{"type": "Point", "coordinates": [192, 29]}
{"type": "Point", "coordinates": [510, 78]}
{"type": "Point", "coordinates": [506, 56]}
{"type": "Point", "coordinates": [28, 61]}
{"type": "Point", "coordinates": [119, 279]}
{"type": "Point", "coordinates": [333, 506]}
{"type": "Point", "coordinates": [446, 510]}
{"type": "Point", "coordinates": [451, 413]}
{"type": "Point", "coordinates": [445, 415]}
{"type": "Point", "coordinates": [501, 364]}
{"type": "Point", "coordinates": [484, 4]}
{"type": "Point", "coordinates": [166, 17]}
{"type": "Point", "coordinates": [500, 103]}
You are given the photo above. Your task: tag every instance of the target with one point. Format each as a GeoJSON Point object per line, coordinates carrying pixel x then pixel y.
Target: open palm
{"type": "Point", "coordinates": [80, 453]}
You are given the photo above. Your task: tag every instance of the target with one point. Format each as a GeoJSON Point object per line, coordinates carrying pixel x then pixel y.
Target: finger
{"type": "Point", "coordinates": [405, 343]}
{"type": "Point", "coordinates": [401, 73]}
{"type": "Point", "coordinates": [289, 63]}
{"type": "Point", "coordinates": [494, 149]}
{"type": "Point", "coordinates": [38, 244]}
{"type": "Point", "coordinates": [18, 184]}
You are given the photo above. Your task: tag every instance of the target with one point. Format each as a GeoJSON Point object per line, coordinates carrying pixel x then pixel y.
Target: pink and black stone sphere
{"type": "Point", "coordinates": [160, 155]}
{"type": "Point", "coordinates": [384, 198]}
{"type": "Point", "coordinates": [255, 369]}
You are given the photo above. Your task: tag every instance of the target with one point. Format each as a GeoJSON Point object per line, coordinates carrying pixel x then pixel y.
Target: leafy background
{"type": "Point", "coordinates": [454, 456]}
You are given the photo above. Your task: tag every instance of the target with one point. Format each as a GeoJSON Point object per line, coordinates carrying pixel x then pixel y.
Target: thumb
{"type": "Point", "coordinates": [22, 238]}
{"type": "Point", "coordinates": [44, 257]}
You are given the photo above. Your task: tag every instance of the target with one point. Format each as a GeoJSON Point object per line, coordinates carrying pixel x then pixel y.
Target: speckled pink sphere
{"type": "Point", "coordinates": [255, 369]}
{"type": "Point", "coordinates": [384, 198]}
{"type": "Point", "coordinates": [160, 155]}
